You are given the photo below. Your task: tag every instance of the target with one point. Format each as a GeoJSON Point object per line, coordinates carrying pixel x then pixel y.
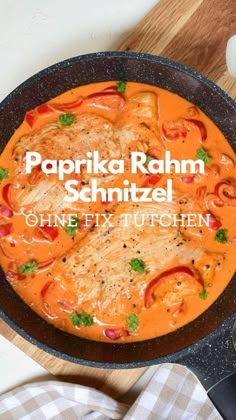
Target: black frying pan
{"type": "Point", "coordinates": [186, 345]}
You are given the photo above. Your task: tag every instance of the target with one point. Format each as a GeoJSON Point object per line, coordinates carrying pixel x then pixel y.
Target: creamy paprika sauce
{"type": "Point", "coordinates": [123, 283]}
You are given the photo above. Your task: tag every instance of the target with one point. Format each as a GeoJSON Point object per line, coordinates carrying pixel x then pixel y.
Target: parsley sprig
{"type": "Point", "coordinates": [66, 119]}
{"type": "Point", "coordinates": [148, 159]}
{"type": "Point", "coordinates": [204, 294]}
{"type": "Point", "coordinates": [137, 265]}
{"type": "Point", "coordinates": [203, 155]}
{"type": "Point", "coordinates": [71, 230]}
{"type": "Point", "coordinates": [4, 174]}
{"type": "Point", "coordinates": [29, 267]}
{"type": "Point", "coordinates": [132, 321]}
{"type": "Point", "coordinates": [121, 87]}
{"type": "Point", "coordinates": [83, 319]}
{"type": "Point", "coordinates": [221, 236]}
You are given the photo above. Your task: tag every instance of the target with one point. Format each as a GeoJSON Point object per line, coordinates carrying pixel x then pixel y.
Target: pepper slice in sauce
{"type": "Point", "coordinates": [192, 283]}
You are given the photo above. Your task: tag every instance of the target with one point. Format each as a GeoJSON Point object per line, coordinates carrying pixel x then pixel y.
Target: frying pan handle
{"type": "Point", "coordinates": [223, 396]}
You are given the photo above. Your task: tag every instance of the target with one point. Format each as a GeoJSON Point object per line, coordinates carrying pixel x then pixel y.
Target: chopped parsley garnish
{"type": "Point", "coordinates": [66, 119]}
{"type": "Point", "coordinates": [148, 159]}
{"type": "Point", "coordinates": [132, 321]}
{"type": "Point", "coordinates": [203, 155]}
{"type": "Point", "coordinates": [83, 319]}
{"type": "Point", "coordinates": [86, 319]}
{"type": "Point", "coordinates": [221, 236]}
{"type": "Point", "coordinates": [75, 319]}
{"type": "Point", "coordinates": [3, 174]}
{"type": "Point", "coordinates": [71, 230]}
{"type": "Point", "coordinates": [28, 267]}
{"type": "Point", "coordinates": [204, 294]}
{"type": "Point", "coordinates": [137, 265]}
{"type": "Point", "coordinates": [121, 87]}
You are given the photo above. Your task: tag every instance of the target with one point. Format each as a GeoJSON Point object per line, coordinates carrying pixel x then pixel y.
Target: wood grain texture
{"type": "Point", "coordinates": [160, 26]}
{"type": "Point", "coordinates": [193, 32]}
{"type": "Point", "coordinates": [201, 43]}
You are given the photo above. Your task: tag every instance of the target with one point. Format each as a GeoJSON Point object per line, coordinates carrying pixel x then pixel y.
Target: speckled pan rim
{"type": "Point", "coordinates": [95, 56]}
{"type": "Point", "coordinates": [114, 54]}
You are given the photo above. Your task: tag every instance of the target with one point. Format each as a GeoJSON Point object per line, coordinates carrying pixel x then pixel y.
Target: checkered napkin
{"type": "Point", "coordinates": [173, 393]}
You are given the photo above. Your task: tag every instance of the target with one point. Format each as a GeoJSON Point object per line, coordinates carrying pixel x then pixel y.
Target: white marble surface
{"type": "Point", "coordinates": [16, 368]}
{"type": "Point", "coordinates": [36, 34]}
{"type": "Point", "coordinates": [33, 35]}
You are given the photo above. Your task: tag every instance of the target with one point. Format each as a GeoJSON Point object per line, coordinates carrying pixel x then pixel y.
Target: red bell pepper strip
{"type": "Point", "coordinates": [213, 222]}
{"type": "Point", "coordinates": [48, 232]}
{"type": "Point", "coordinates": [173, 130]}
{"type": "Point", "coordinates": [182, 270]}
{"type": "Point", "coordinates": [224, 183]}
{"type": "Point", "coordinates": [35, 174]}
{"type": "Point", "coordinates": [31, 117]}
{"type": "Point", "coordinates": [226, 191]}
{"type": "Point", "coordinates": [46, 288]}
{"type": "Point", "coordinates": [111, 89]}
{"type": "Point", "coordinates": [45, 264]}
{"type": "Point", "coordinates": [5, 211]}
{"type": "Point", "coordinates": [153, 179]}
{"type": "Point", "coordinates": [5, 229]}
{"type": "Point", "coordinates": [12, 275]}
{"type": "Point", "coordinates": [99, 100]}
{"type": "Point", "coordinates": [201, 193]}
{"type": "Point", "coordinates": [176, 129]}
{"type": "Point", "coordinates": [106, 202]}
{"type": "Point", "coordinates": [82, 224]}
{"type": "Point", "coordinates": [188, 179]}
{"type": "Point", "coordinates": [212, 200]}
{"type": "Point", "coordinates": [200, 126]}
{"type": "Point", "coordinates": [67, 107]}
{"type": "Point", "coordinates": [44, 109]}
{"type": "Point", "coordinates": [6, 195]}
{"type": "Point", "coordinates": [105, 94]}
{"type": "Point", "coordinates": [115, 334]}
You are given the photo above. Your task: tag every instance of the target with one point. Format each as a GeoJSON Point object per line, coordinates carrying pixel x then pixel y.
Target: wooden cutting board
{"type": "Point", "coordinates": [192, 32]}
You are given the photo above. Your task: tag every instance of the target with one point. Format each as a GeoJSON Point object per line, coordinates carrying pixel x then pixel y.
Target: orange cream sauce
{"type": "Point", "coordinates": [24, 243]}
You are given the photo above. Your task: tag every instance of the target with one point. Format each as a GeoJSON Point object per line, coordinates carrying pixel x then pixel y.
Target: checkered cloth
{"type": "Point", "coordinates": [173, 393]}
